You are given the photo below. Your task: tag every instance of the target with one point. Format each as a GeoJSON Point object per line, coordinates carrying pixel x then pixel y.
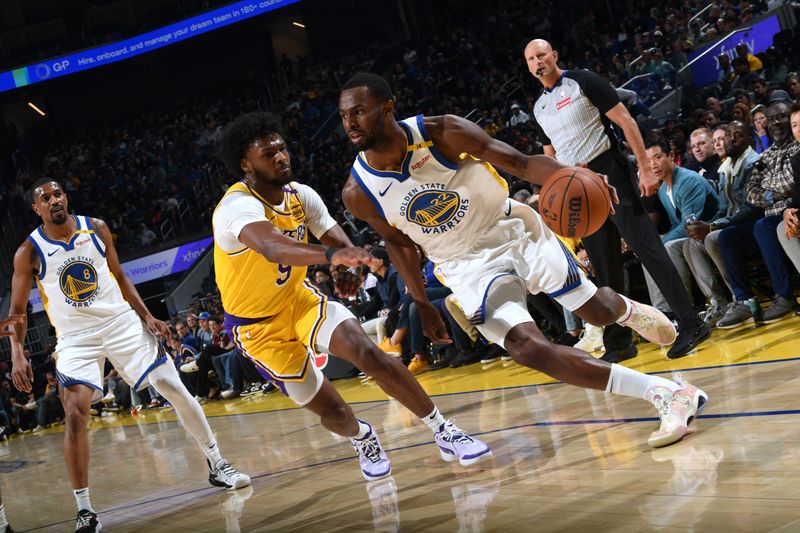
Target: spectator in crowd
{"type": "Point", "coordinates": [146, 236]}
{"type": "Point", "coordinates": [760, 92]}
{"type": "Point", "coordinates": [776, 69]}
{"type": "Point", "coordinates": [789, 229]}
{"type": "Point", "coordinates": [753, 62]}
{"type": "Point", "coordinates": [388, 290]}
{"type": "Point", "coordinates": [184, 356]}
{"type": "Point", "coordinates": [761, 138]}
{"type": "Point", "coordinates": [220, 344]}
{"type": "Point", "coordinates": [702, 250]}
{"type": "Point", "coordinates": [686, 197]}
{"type": "Point", "coordinates": [743, 78]}
{"type": "Point", "coordinates": [436, 293]}
{"type": "Point", "coordinates": [518, 116]}
{"type": "Point", "coordinates": [186, 336]}
{"type": "Point", "coordinates": [49, 405]}
{"type": "Point", "coordinates": [726, 73]}
{"type": "Point", "coordinates": [322, 279]}
{"type": "Point", "coordinates": [793, 85]}
{"type": "Point", "coordinates": [191, 323]}
{"type": "Point", "coordinates": [720, 132]}
{"type": "Point", "coordinates": [770, 188]}
{"type": "Point", "coordinates": [204, 334]}
{"type": "Point", "coordinates": [706, 162]}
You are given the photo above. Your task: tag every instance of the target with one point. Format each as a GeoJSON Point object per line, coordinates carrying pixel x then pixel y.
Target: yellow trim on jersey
{"type": "Point", "coordinates": [419, 146]}
{"type": "Point", "coordinates": [503, 183]}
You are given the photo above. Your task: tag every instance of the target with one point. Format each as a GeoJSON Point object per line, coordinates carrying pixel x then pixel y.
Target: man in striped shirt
{"type": "Point", "coordinates": [574, 115]}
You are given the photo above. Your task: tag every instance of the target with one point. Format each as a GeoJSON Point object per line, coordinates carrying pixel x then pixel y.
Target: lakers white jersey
{"type": "Point", "coordinates": [77, 287]}
{"type": "Point", "coordinates": [443, 206]}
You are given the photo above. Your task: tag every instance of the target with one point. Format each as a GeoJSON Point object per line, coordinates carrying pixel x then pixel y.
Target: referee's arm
{"type": "Point", "coordinates": [648, 182]}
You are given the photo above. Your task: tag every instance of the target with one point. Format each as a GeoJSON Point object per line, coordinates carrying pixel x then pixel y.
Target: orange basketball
{"type": "Point", "coordinates": [574, 202]}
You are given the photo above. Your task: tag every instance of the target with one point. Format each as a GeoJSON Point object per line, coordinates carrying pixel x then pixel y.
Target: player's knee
{"type": "Point", "coordinates": [369, 359]}
{"type": "Point", "coordinates": [76, 413]}
{"type": "Point", "coordinates": [532, 352]}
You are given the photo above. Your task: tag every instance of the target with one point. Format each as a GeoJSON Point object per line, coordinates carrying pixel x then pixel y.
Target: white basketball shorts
{"type": "Point", "coordinates": [124, 340]}
{"type": "Point", "coordinates": [519, 254]}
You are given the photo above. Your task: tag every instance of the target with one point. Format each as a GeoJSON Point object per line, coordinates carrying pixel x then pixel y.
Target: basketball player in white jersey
{"type": "Point", "coordinates": [430, 181]}
{"type": "Point", "coordinates": [97, 314]}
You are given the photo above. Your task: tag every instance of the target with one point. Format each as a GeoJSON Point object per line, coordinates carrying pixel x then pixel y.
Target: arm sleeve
{"type": "Point", "coordinates": [596, 88]}
{"type": "Point", "coordinates": [317, 216]}
{"type": "Point", "coordinates": [236, 211]}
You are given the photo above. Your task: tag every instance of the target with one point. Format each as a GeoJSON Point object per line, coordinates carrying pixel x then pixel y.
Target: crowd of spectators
{"type": "Point", "coordinates": [156, 163]}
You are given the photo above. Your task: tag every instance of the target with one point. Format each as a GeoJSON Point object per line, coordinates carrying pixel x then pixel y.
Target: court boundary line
{"type": "Point", "coordinates": [548, 423]}
{"type": "Point", "coordinates": [444, 394]}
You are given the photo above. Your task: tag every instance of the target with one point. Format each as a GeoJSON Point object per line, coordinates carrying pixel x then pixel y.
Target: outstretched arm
{"type": "Point", "coordinates": [129, 292]}
{"type": "Point", "coordinates": [403, 254]}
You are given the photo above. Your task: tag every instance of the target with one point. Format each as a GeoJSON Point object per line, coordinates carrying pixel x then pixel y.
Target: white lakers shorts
{"type": "Point", "coordinates": [516, 256]}
{"type": "Point", "coordinates": [123, 340]}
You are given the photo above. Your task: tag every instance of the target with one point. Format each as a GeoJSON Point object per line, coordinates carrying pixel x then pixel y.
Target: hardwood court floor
{"type": "Point", "coordinates": [565, 459]}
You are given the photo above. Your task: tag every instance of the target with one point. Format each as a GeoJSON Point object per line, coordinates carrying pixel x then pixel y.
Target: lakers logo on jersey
{"type": "Point", "coordinates": [78, 281]}
{"type": "Point", "coordinates": [433, 208]}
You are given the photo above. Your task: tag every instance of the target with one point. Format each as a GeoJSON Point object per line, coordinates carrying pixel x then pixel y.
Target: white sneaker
{"type": "Point", "coordinates": [224, 475]}
{"type": "Point", "coordinates": [37, 429]}
{"type": "Point", "coordinates": [591, 339]}
{"type": "Point", "coordinates": [109, 398]}
{"type": "Point", "coordinates": [189, 367]}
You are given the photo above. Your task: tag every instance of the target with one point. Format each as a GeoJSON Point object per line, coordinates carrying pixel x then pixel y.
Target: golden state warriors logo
{"type": "Point", "coordinates": [78, 282]}
{"type": "Point", "coordinates": [434, 208]}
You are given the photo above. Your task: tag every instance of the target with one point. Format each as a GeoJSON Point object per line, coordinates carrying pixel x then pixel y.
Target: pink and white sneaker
{"type": "Point", "coordinates": [677, 410]}
{"type": "Point", "coordinates": [650, 323]}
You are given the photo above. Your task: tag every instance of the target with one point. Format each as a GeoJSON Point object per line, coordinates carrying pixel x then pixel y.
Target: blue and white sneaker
{"type": "Point", "coordinates": [454, 444]}
{"type": "Point", "coordinates": [371, 457]}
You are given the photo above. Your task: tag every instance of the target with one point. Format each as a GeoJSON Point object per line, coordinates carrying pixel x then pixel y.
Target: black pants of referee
{"type": "Point", "coordinates": [633, 223]}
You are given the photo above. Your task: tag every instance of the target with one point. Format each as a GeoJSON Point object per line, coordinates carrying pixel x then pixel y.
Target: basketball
{"type": "Point", "coordinates": [574, 202]}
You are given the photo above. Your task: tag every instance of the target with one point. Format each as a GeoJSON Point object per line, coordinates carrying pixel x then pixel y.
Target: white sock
{"type": "Point", "coordinates": [627, 313]}
{"type": "Point", "coordinates": [363, 430]}
{"type": "Point", "coordinates": [82, 499]}
{"type": "Point", "coordinates": [212, 453]}
{"type": "Point", "coordinates": [434, 420]}
{"type": "Point", "coordinates": [629, 382]}
{"type": "Point", "coordinates": [3, 520]}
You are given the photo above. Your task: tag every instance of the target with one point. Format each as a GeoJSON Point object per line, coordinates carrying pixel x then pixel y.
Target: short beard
{"type": "Point", "coordinates": [258, 177]}
{"type": "Point", "coordinates": [376, 137]}
{"type": "Point", "coordinates": [58, 222]}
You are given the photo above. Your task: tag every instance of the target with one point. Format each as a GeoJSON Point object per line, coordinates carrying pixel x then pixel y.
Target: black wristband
{"type": "Point", "coordinates": [329, 253]}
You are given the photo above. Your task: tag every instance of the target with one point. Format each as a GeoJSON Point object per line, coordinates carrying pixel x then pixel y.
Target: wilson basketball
{"type": "Point", "coordinates": [574, 202]}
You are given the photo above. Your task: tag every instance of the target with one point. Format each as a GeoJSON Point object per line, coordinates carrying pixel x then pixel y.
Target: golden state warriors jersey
{"type": "Point", "coordinates": [251, 286]}
{"type": "Point", "coordinates": [78, 290]}
{"type": "Point", "coordinates": [443, 206]}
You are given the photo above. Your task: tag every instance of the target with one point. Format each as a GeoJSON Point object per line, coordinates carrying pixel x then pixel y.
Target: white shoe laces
{"type": "Point", "coordinates": [368, 448]}
{"type": "Point", "coordinates": [452, 433]}
{"type": "Point", "coordinates": [84, 520]}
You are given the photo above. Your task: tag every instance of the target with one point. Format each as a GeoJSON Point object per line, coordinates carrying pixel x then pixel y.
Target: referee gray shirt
{"type": "Point", "coordinates": [570, 116]}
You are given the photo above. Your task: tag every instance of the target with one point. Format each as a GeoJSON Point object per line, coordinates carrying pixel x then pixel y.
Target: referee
{"type": "Point", "coordinates": [574, 114]}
